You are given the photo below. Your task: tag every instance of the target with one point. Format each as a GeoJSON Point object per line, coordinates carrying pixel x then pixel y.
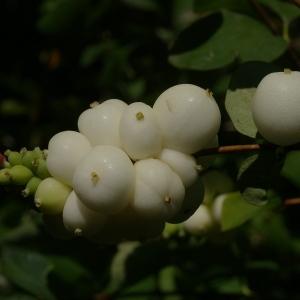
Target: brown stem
{"type": "Point", "coordinates": [292, 201]}
{"type": "Point", "coordinates": [243, 148]}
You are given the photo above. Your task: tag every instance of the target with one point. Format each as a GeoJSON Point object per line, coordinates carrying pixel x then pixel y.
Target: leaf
{"type": "Point", "coordinates": [134, 262]}
{"type": "Point", "coordinates": [28, 270]}
{"type": "Point", "coordinates": [201, 6]}
{"type": "Point", "coordinates": [286, 11]}
{"type": "Point", "coordinates": [146, 5]}
{"type": "Point", "coordinates": [255, 175]}
{"type": "Point", "coordinates": [291, 168]}
{"type": "Point", "coordinates": [240, 92]}
{"type": "Point", "coordinates": [60, 17]}
{"type": "Point", "coordinates": [217, 39]}
{"type": "Point", "coordinates": [68, 269]}
{"type": "Point", "coordinates": [236, 211]}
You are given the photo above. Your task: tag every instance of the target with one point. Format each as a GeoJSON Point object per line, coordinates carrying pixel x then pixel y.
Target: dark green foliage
{"type": "Point", "coordinates": [58, 56]}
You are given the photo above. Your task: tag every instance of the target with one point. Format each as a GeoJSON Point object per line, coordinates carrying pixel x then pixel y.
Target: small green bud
{"type": "Point", "coordinates": [5, 176]}
{"type": "Point", "coordinates": [41, 169]}
{"type": "Point", "coordinates": [14, 157]}
{"type": "Point", "coordinates": [20, 175]}
{"type": "Point", "coordinates": [31, 186]}
{"type": "Point", "coordinates": [38, 152]}
{"type": "Point", "coordinates": [28, 159]}
{"type": "Point", "coordinates": [51, 196]}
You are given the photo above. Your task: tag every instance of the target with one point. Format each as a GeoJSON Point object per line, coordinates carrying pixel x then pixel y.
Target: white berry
{"type": "Point", "coordinates": [276, 108]}
{"type": "Point", "coordinates": [100, 124]}
{"type": "Point", "coordinates": [189, 117]}
{"type": "Point", "coordinates": [158, 192]}
{"type": "Point", "coordinates": [80, 220]}
{"type": "Point", "coordinates": [182, 164]}
{"type": "Point", "coordinates": [140, 132]}
{"type": "Point", "coordinates": [65, 150]}
{"type": "Point", "coordinates": [104, 179]}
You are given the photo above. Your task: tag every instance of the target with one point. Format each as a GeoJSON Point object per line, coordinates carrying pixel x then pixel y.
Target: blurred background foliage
{"type": "Point", "coordinates": [58, 56]}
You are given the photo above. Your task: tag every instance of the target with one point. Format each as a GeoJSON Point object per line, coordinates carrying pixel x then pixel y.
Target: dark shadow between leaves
{"type": "Point", "coordinates": [198, 33]}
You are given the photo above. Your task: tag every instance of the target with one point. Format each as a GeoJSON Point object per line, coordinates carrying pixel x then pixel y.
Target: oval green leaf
{"type": "Point", "coordinates": [218, 39]}
{"type": "Point", "coordinates": [240, 92]}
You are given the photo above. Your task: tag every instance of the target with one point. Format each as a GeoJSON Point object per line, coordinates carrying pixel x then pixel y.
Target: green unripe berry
{"type": "Point", "coordinates": [41, 168]}
{"type": "Point", "coordinates": [51, 195]}
{"type": "Point", "coordinates": [39, 152]}
{"type": "Point", "coordinates": [20, 175]}
{"type": "Point", "coordinates": [14, 157]}
{"type": "Point", "coordinates": [5, 176]}
{"type": "Point", "coordinates": [29, 159]}
{"type": "Point", "coordinates": [31, 186]}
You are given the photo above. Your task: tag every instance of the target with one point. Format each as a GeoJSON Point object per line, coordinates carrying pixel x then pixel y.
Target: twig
{"type": "Point", "coordinates": [259, 9]}
{"type": "Point", "coordinates": [292, 201]}
{"type": "Point", "coordinates": [243, 148]}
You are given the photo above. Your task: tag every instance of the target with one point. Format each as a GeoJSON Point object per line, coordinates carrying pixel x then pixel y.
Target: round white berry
{"type": "Point", "coordinates": [158, 192]}
{"type": "Point", "coordinates": [100, 123]}
{"type": "Point", "coordinates": [104, 179]}
{"type": "Point", "coordinates": [189, 117]}
{"type": "Point", "coordinates": [80, 220]}
{"type": "Point", "coordinates": [140, 132]}
{"type": "Point", "coordinates": [276, 108]}
{"type": "Point", "coordinates": [65, 150]}
{"type": "Point", "coordinates": [182, 164]}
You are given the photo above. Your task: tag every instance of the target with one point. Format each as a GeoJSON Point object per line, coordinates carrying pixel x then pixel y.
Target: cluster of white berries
{"type": "Point", "coordinates": [276, 107]}
{"type": "Point", "coordinates": [130, 168]}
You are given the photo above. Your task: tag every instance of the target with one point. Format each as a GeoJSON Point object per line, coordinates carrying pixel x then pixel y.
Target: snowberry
{"type": "Point", "coordinates": [104, 179]}
{"type": "Point", "coordinates": [217, 207]}
{"type": "Point", "coordinates": [100, 123]}
{"type": "Point", "coordinates": [188, 116]}
{"type": "Point", "coordinates": [80, 220]}
{"type": "Point", "coordinates": [65, 150]}
{"type": "Point", "coordinates": [193, 198]}
{"type": "Point", "coordinates": [139, 131]}
{"type": "Point", "coordinates": [158, 192]}
{"type": "Point", "coordinates": [182, 164]}
{"type": "Point", "coordinates": [276, 107]}
{"type": "Point", "coordinates": [51, 196]}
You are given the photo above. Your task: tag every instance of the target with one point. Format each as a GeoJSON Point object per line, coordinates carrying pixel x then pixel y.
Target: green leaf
{"type": "Point", "coordinates": [240, 92]}
{"type": "Point", "coordinates": [68, 269]}
{"type": "Point", "coordinates": [236, 211]}
{"type": "Point", "coordinates": [255, 174]}
{"type": "Point", "coordinates": [286, 11]}
{"type": "Point", "coordinates": [218, 39]}
{"type": "Point", "coordinates": [60, 17]}
{"type": "Point", "coordinates": [146, 5]}
{"type": "Point", "coordinates": [291, 168]}
{"type": "Point", "coordinates": [201, 6]}
{"type": "Point", "coordinates": [28, 270]}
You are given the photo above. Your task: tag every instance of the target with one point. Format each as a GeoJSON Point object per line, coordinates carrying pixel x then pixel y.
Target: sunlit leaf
{"type": "Point", "coordinates": [236, 211]}
{"type": "Point", "coordinates": [222, 38]}
{"type": "Point", "coordinates": [240, 92]}
{"type": "Point", "coordinates": [28, 270]}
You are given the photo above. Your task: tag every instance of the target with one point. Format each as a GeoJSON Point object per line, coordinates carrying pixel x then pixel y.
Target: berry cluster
{"type": "Point", "coordinates": [130, 168]}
